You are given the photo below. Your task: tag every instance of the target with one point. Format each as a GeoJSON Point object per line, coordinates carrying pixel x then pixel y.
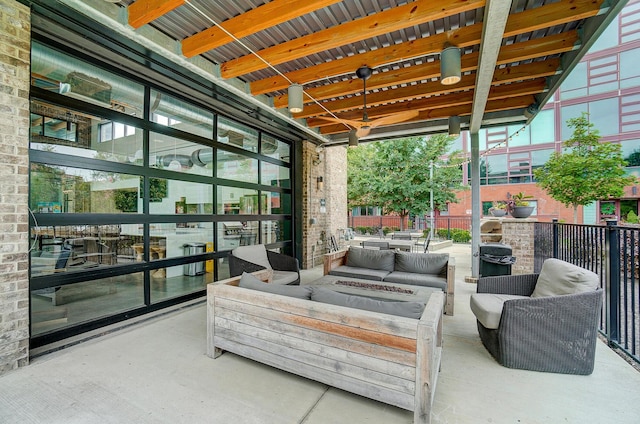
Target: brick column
{"type": "Point", "coordinates": [519, 234]}
{"type": "Point", "coordinates": [324, 209]}
{"type": "Point", "coordinates": [15, 26]}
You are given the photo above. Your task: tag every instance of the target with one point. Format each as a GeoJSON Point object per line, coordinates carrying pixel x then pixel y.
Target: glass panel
{"type": "Point", "coordinates": [604, 114]}
{"type": "Point", "coordinates": [568, 112]}
{"type": "Point", "coordinates": [61, 130]}
{"type": "Point", "coordinates": [175, 281]}
{"type": "Point", "coordinates": [275, 148]}
{"type": "Point", "coordinates": [234, 201]}
{"type": "Point", "coordinates": [275, 231]}
{"type": "Point", "coordinates": [278, 203]}
{"type": "Point", "coordinates": [274, 175]}
{"type": "Point", "coordinates": [237, 233]}
{"type": "Point", "coordinates": [236, 134]}
{"type": "Point", "coordinates": [170, 240]}
{"type": "Point", "coordinates": [497, 166]}
{"type": "Point", "coordinates": [171, 112]}
{"type": "Point", "coordinates": [56, 249]}
{"type": "Point", "coordinates": [629, 69]}
{"type": "Point", "coordinates": [235, 167]}
{"type": "Point", "coordinates": [519, 136]}
{"type": "Point", "coordinates": [543, 127]}
{"type": "Point", "coordinates": [608, 39]}
{"type": "Point", "coordinates": [631, 152]}
{"type": "Point", "coordinates": [576, 84]}
{"type": "Point", "coordinates": [59, 307]}
{"type": "Point", "coordinates": [62, 189]}
{"type": "Point", "coordinates": [179, 155]}
{"type": "Point", "coordinates": [180, 197]}
{"type": "Point", "coordinates": [58, 72]}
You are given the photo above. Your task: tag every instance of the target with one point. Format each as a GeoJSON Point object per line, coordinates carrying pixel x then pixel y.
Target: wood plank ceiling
{"type": "Point", "coordinates": [514, 54]}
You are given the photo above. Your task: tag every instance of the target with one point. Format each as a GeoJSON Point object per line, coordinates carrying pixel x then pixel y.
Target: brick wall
{"type": "Point", "coordinates": [321, 222]}
{"type": "Point", "coordinates": [15, 26]}
{"type": "Point", "coordinates": [519, 234]}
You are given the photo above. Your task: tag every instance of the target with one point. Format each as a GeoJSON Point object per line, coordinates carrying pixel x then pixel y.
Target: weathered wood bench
{"type": "Point", "coordinates": [387, 358]}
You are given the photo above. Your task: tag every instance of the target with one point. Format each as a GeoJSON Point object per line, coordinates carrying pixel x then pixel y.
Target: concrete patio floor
{"type": "Point", "coordinates": [156, 371]}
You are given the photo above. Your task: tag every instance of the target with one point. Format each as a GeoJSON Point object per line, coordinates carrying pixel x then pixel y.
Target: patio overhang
{"type": "Point", "coordinates": [514, 55]}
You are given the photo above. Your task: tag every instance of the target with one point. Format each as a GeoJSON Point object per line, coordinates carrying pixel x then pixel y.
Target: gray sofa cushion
{"type": "Point", "coordinates": [415, 279]}
{"type": "Point", "coordinates": [356, 272]}
{"type": "Point", "coordinates": [487, 307]}
{"type": "Point", "coordinates": [284, 277]}
{"type": "Point", "coordinates": [422, 263]}
{"type": "Point", "coordinates": [372, 259]}
{"type": "Point", "coordinates": [404, 309]}
{"type": "Point", "coordinates": [558, 277]}
{"type": "Point", "coordinates": [249, 281]}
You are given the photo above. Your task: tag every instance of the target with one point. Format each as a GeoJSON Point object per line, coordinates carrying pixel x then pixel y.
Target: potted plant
{"type": "Point", "coordinates": [518, 206]}
{"type": "Point", "coordinates": [498, 209]}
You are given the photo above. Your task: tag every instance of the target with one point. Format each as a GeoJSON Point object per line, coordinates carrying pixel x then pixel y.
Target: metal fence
{"type": "Point", "coordinates": [611, 251]}
{"type": "Point", "coordinates": [371, 224]}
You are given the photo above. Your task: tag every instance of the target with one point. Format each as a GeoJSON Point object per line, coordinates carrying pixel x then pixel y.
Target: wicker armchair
{"type": "Point", "coordinates": [256, 257]}
{"type": "Point", "coordinates": [550, 333]}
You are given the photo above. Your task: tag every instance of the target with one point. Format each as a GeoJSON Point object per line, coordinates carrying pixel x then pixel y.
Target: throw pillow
{"type": "Point", "coordinates": [559, 277]}
{"type": "Point", "coordinates": [399, 308]}
{"type": "Point", "coordinates": [422, 263]}
{"type": "Point", "coordinates": [249, 281]}
{"type": "Point", "coordinates": [372, 259]}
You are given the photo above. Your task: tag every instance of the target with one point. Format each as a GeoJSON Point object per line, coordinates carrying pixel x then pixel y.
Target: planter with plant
{"type": "Point", "coordinates": [498, 209]}
{"type": "Point", "coordinates": [518, 206]}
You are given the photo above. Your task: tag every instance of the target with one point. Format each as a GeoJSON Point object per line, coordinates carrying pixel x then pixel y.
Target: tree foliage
{"type": "Point", "coordinates": [586, 170]}
{"type": "Point", "coordinates": [394, 174]}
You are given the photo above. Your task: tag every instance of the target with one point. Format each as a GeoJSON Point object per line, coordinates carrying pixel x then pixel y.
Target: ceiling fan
{"type": "Point", "coordinates": [364, 126]}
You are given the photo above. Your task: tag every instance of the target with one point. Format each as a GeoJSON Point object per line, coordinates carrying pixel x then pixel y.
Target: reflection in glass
{"type": "Point", "coordinates": [170, 240]}
{"type": "Point", "coordinates": [275, 231]}
{"type": "Point", "coordinates": [175, 281]}
{"type": "Point", "coordinates": [171, 112]}
{"type": "Point", "coordinates": [56, 249]}
{"type": "Point", "coordinates": [279, 203]}
{"type": "Point", "coordinates": [63, 74]}
{"type": "Point", "coordinates": [235, 167]}
{"type": "Point", "coordinates": [62, 189]}
{"type": "Point", "coordinates": [54, 308]}
{"type": "Point", "coordinates": [238, 201]}
{"type": "Point", "coordinates": [237, 233]}
{"type": "Point", "coordinates": [183, 197]}
{"type": "Point", "coordinates": [238, 135]}
{"type": "Point", "coordinates": [274, 175]}
{"type": "Point", "coordinates": [275, 148]}
{"type": "Point", "coordinates": [61, 130]}
{"type": "Point", "coordinates": [179, 155]}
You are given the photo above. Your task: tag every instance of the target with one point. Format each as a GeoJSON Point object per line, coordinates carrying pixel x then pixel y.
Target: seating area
{"type": "Point", "coordinates": [170, 367]}
{"type": "Point", "coordinates": [284, 269]}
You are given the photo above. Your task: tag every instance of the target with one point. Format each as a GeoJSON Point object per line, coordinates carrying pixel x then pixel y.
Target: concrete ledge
{"type": "Point", "coordinates": [437, 245]}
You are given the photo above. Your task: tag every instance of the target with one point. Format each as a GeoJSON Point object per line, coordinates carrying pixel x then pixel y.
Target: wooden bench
{"type": "Point", "coordinates": [388, 358]}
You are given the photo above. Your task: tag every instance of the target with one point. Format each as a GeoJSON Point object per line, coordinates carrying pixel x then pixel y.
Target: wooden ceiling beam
{"type": "Point", "coordinates": [418, 73]}
{"type": "Point", "coordinates": [397, 18]}
{"type": "Point", "coordinates": [520, 23]}
{"type": "Point", "coordinates": [251, 22]}
{"type": "Point", "coordinates": [142, 12]}
{"type": "Point", "coordinates": [461, 110]}
{"type": "Point", "coordinates": [504, 91]}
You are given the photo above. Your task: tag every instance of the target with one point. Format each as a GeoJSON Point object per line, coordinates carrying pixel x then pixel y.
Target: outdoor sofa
{"type": "Point", "coordinates": [417, 269]}
{"type": "Point", "coordinates": [389, 358]}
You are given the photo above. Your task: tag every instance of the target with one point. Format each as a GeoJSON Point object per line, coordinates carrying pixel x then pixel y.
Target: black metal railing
{"type": "Point", "coordinates": [612, 252]}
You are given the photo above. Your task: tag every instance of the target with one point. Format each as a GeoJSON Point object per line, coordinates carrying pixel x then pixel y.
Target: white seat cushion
{"type": "Point", "coordinates": [487, 307]}
{"type": "Point", "coordinates": [255, 253]}
{"type": "Point", "coordinates": [284, 277]}
{"type": "Point", "coordinates": [558, 278]}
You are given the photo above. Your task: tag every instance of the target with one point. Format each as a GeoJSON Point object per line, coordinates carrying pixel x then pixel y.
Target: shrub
{"type": "Point", "coordinates": [632, 218]}
{"type": "Point", "coordinates": [457, 235]}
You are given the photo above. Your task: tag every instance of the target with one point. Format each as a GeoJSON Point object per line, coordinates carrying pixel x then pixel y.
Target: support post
{"type": "Point", "coordinates": [475, 205]}
{"type": "Point", "coordinates": [613, 281]}
{"type": "Point", "coordinates": [555, 238]}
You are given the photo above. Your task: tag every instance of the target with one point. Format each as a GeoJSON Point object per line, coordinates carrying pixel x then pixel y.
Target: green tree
{"type": "Point", "coordinates": [586, 171]}
{"type": "Point", "coordinates": [394, 175]}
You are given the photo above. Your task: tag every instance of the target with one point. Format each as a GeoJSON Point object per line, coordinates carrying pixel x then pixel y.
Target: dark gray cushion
{"type": "Point", "coordinates": [423, 263]}
{"type": "Point", "coordinates": [373, 259]}
{"type": "Point", "coordinates": [415, 279]}
{"type": "Point", "coordinates": [356, 272]}
{"type": "Point", "coordinates": [403, 309]}
{"type": "Point", "coordinates": [249, 281]}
